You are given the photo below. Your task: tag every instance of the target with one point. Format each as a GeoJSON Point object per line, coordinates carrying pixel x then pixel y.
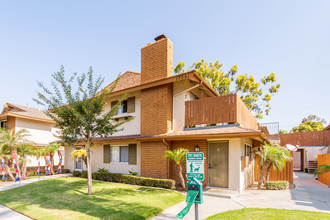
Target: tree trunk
{"type": "Point", "coordinates": [8, 169]}
{"type": "Point", "coordinates": [268, 172]}
{"type": "Point", "coordinates": [262, 172]}
{"type": "Point", "coordinates": [51, 164]}
{"type": "Point", "coordinates": [24, 170]}
{"type": "Point", "coordinates": [89, 169]}
{"type": "Point", "coordinates": [179, 170]}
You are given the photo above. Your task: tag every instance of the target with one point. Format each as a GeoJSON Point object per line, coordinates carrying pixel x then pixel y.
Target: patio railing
{"type": "Point", "coordinates": [227, 109]}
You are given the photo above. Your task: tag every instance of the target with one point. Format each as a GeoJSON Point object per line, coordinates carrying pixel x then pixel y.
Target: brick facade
{"type": "Point", "coordinates": [157, 60]}
{"type": "Point", "coordinates": [190, 145]}
{"type": "Point", "coordinates": [156, 110]}
{"type": "Point", "coordinates": [153, 163]}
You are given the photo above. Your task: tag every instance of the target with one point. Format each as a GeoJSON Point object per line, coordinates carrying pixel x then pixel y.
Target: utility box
{"type": "Point", "coordinates": [196, 185]}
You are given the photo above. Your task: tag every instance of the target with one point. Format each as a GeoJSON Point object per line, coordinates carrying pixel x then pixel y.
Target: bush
{"type": "Point", "coordinates": [306, 170]}
{"type": "Point", "coordinates": [83, 174]}
{"type": "Point", "coordinates": [276, 185]}
{"type": "Point", "coordinates": [76, 173]}
{"type": "Point", "coordinates": [102, 170]}
{"type": "Point", "coordinates": [134, 180]}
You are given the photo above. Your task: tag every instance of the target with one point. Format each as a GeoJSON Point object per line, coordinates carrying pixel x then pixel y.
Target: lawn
{"type": "Point", "coordinates": [66, 198]}
{"type": "Point", "coordinates": [255, 214]}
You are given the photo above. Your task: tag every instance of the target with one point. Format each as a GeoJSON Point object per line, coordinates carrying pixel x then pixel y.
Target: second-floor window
{"type": "Point", "coordinates": [3, 124]}
{"type": "Point", "coordinates": [126, 106]}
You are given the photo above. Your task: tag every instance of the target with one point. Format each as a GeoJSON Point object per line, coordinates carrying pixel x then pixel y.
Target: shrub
{"type": "Point", "coordinates": [276, 185]}
{"type": "Point", "coordinates": [83, 174]}
{"type": "Point", "coordinates": [134, 180]}
{"type": "Point", "coordinates": [76, 173]}
{"type": "Point", "coordinates": [102, 170]}
{"type": "Point", "coordinates": [133, 173]}
{"type": "Point", "coordinates": [306, 170]}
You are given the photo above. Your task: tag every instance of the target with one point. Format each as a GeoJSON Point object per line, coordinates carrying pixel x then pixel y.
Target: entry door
{"type": "Point", "coordinates": [218, 164]}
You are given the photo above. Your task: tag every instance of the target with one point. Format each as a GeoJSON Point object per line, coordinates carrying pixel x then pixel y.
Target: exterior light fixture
{"type": "Point", "coordinates": [196, 148]}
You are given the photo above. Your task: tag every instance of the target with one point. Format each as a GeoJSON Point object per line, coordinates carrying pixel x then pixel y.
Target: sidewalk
{"type": "Point", "coordinates": [7, 213]}
{"type": "Point", "coordinates": [309, 195]}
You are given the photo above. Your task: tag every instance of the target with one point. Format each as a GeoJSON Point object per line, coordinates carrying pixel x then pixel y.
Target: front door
{"type": "Point", "coordinates": [218, 164]}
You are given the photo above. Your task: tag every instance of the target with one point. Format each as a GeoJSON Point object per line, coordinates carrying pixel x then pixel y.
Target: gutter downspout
{"type": "Point", "coordinates": [167, 161]}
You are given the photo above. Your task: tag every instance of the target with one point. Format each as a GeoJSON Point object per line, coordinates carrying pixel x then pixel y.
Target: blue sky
{"type": "Point", "coordinates": [289, 38]}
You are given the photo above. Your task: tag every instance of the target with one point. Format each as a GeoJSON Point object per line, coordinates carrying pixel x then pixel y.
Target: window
{"type": "Point", "coordinates": [119, 154]}
{"type": "Point", "coordinates": [126, 106]}
{"type": "Point", "coordinates": [122, 154]}
{"type": "Point", "coordinates": [114, 153]}
{"type": "Point", "coordinates": [3, 124]}
{"type": "Point", "coordinates": [248, 152]}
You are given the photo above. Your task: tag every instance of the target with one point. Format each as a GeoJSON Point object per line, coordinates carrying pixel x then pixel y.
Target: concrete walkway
{"type": "Point", "coordinates": [309, 195]}
{"type": "Point", "coordinates": [7, 213]}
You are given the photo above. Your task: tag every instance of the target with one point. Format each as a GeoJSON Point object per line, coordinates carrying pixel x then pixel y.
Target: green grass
{"type": "Point", "coordinates": [255, 214]}
{"type": "Point", "coordinates": [66, 198]}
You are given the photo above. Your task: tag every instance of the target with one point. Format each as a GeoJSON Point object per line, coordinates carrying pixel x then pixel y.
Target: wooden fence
{"type": "Point", "coordinates": [223, 109]}
{"type": "Point", "coordinates": [324, 159]}
{"type": "Point", "coordinates": [306, 138]}
{"type": "Point", "coordinates": [286, 174]}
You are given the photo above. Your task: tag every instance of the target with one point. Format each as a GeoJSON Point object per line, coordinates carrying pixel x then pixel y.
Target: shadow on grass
{"type": "Point", "coordinates": [68, 196]}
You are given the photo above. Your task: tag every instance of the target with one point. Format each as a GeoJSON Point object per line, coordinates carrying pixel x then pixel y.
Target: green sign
{"type": "Point", "coordinates": [195, 166]}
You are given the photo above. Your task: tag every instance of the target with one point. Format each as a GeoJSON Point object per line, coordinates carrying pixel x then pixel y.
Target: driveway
{"type": "Point", "coordinates": [309, 195]}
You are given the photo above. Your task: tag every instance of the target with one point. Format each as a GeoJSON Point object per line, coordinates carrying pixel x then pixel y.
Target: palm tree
{"type": "Point", "coordinates": [274, 156]}
{"type": "Point", "coordinates": [178, 156]}
{"type": "Point", "coordinates": [51, 149]}
{"type": "Point", "coordinates": [10, 142]}
{"type": "Point", "coordinates": [25, 149]}
{"type": "Point", "coordinates": [77, 153]}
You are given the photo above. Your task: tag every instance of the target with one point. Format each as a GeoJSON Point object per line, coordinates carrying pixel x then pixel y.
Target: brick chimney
{"type": "Point", "coordinates": [157, 60]}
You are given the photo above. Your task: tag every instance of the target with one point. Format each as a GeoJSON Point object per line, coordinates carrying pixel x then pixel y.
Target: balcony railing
{"type": "Point", "coordinates": [227, 109]}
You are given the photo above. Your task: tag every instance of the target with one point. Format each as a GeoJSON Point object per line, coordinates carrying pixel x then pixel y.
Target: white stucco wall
{"type": "Point", "coordinates": [312, 151]}
{"type": "Point", "coordinates": [40, 132]}
{"type": "Point", "coordinates": [132, 127]}
{"type": "Point", "coordinates": [97, 160]}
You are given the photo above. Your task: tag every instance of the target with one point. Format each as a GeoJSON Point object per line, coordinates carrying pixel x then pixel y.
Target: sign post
{"type": "Point", "coordinates": [195, 169]}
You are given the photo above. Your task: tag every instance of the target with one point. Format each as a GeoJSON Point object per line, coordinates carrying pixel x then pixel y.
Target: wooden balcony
{"type": "Point", "coordinates": [228, 109]}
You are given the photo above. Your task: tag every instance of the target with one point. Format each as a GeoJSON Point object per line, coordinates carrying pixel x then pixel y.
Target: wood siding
{"type": "Point", "coordinates": [323, 159]}
{"type": "Point", "coordinates": [308, 138]}
{"type": "Point", "coordinates": [224, 109]}
{"type": "Point", "coordinates": [286, 174]}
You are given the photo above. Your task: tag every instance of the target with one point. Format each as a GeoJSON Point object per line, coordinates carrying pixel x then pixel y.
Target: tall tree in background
{"type": "Point", "coordinates": [79, 114]}
{"type": "Point", "coordinates": [256, 95]}
{"type": "Point", "coordinates": [310, 123]}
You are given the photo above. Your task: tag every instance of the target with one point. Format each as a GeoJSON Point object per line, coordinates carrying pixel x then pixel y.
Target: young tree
{"type": "Point", "coordinates": [255, 95]}
{"type": "Point", "coordinates": [79, 114]}
{"type": "Point", "coordinates": [310, 123]}
{"type": "Point", "coordinates": [274, 156]}
{"type": "Point", "coordinates": [10, 142]}
{"type": "Point", "coordinates": [178, 156]}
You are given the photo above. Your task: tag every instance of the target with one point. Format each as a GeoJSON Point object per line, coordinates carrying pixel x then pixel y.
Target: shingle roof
{"type": "Point", "coordinates": [25, 111]}
{"type": "Point", "coordinates": [127, 80]}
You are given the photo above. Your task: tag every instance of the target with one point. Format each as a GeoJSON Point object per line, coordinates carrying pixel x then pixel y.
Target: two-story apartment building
{"type": "Point", "coordinates": [40, 127]}
{"type": "Point", "coordinates": [173, 111]}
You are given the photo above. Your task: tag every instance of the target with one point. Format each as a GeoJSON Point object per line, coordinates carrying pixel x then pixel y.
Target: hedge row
{"type": "Point", "coordinates": [276, 185]}
{"type": "Point", "coordinates": [129, 179]}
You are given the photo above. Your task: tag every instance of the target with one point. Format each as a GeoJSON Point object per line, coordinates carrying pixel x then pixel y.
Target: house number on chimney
{"type": "Point", "coordinates": [182, 77]}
